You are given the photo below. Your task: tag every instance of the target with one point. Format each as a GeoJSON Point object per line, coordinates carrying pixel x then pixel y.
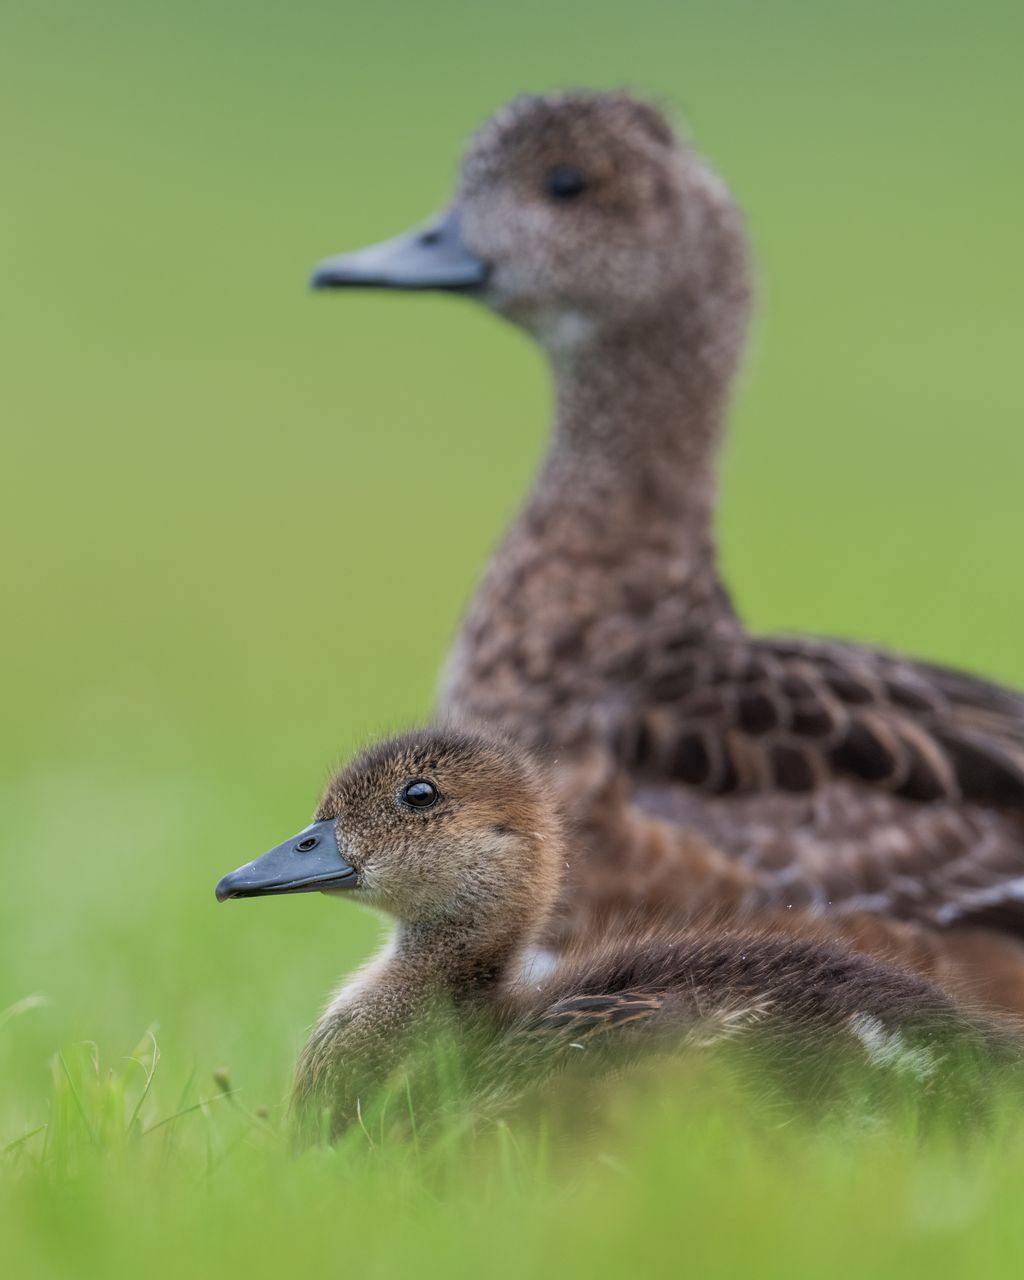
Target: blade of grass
{"type": "Point", "coordinates": [359, 1117]}
{"type": "Point", "coordinates": [412, 1115]}
{"type": "Point", "coordinates": [186, 1090]}
{"type": "Point", "coordinates": [22, 1006]}
{"type": "Point", "coordinates": [149, 1082]}
{"type": "Point", "coordinates": [13, 1146]}
{"type": "Point", "coordinates": [196, 1106]}
{"type": "Point", "coordinates": [78, 1102]}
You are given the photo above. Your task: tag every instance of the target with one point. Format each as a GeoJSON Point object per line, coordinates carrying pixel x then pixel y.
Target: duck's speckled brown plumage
{"type": "Point", "coordinates": [672, 873]}
{"type": "Point", "coordinates": [797, 774]}
{"type": "Point", "coordinates": [469, 883]}
{"type": "Point", "coordinates": [840, 779]}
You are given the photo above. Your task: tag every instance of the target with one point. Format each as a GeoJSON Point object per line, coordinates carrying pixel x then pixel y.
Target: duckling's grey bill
{"type": "Point", "coordinates": [309, 862]}
{"type": "Point", "coordinates": [433, 256]}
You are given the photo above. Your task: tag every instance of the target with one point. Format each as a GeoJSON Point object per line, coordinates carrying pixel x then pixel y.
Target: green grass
{"type": "Point", "coordinates": [680, 1174]}
{"type": "Point", "coordinates": [238, 523]}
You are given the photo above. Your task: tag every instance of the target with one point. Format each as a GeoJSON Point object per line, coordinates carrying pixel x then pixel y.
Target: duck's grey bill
{"type": "Point", "coordinates": [433, 256]}
{"type": "Point", "coordinates": [289, 868]}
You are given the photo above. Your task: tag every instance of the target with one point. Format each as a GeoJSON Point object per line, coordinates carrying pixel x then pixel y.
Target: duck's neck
{"type": "Point", "coordinates": [428, 978]}
{"type": "Point", "coordinates": [616, 540]}
{"type": "Point", "coordinates": [637, 422]}
{"type": "Point", "coordinates": [463, 965]}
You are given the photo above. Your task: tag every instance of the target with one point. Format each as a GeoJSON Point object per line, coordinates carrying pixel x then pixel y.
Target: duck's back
{"type": "Point", "coordinates": [838, 778]}
{"type": "Point", "coordinates": [710, 986]}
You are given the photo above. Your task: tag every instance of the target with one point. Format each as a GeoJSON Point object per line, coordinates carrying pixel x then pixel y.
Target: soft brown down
{"type": "Point", "coordinates": [811, 777]}
{"type": "Point", "coordinates": [469, 883]}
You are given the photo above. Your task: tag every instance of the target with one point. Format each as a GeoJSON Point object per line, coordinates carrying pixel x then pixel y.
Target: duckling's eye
{"type": "Point", "coordinates": [565, 182]}
{"type": "Point", "coordinates": [420, 794]}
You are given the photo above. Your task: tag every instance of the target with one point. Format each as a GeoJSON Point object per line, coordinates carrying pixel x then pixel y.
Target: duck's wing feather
{"type": "Point", "coordinates": [575, 1018]}
{"type": "Point", "coordinates": [790, 715]}
{"type": "Point", "coordinates": [847, 850]}
{"type": "Point", "coordinates": [711, 985]}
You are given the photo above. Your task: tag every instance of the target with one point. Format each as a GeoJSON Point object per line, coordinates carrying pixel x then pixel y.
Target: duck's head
{"type": "Point", "coordinates": [574, 214]}
{"type": "Point", "coordinates": [434, 825]}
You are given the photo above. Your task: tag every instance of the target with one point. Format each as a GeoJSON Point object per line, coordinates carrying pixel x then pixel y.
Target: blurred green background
{"type": "Point", "coordinates": [239, 520]}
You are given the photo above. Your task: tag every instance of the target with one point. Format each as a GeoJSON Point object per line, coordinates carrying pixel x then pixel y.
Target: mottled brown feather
{"type": "Point", "coordinates": [843, 778]}
{"type": "Point", "coordinates": [819, 777]}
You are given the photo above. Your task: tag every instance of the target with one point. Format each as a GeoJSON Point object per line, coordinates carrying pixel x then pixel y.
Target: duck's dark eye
{"type": "Point", "coordinates": [565, 182]}
{"type": "Point", "coordinates": [307, 843]}
{"type": "Point", "coordinates": [420, 794]}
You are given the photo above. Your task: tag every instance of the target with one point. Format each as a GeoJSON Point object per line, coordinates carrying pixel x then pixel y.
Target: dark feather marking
{"type": "Point", "coordinates": [921, 781]}
{"type": "Point", "coordinates": [690, 761]}
{"type": "Point", "coordinates": [985, 772]}
{"type": "Point", "coordinates": [848, 690]}
{"type": "Point", "coordinates": [862, 754]}
{"type": "Point", "coordinates": [672, 685]}
{"type": "Point", "coordinates": [811, 720]}
{"type": "Point", "coordinates": [791, 768]}
{"type": "Point", "coordinates": [757, 712]}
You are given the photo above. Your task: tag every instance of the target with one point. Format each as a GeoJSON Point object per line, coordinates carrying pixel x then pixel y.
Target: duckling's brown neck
{"type": "Point", "coordinates": [616, 539]}
{"type": "Point", "coordinates": [429, 977]}
{"type": "Point", "coordinates": [438, 961]}
{"type": "Point", "coordinates": [465, 965]}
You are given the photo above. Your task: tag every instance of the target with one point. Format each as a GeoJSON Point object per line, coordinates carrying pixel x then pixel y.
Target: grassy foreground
{"type": "Point", "coordinates": [683, 1175]}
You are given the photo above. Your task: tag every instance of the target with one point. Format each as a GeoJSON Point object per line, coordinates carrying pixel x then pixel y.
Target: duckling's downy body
{"type": "Point", "coordinates": [760, 772]}
{"type": "Point", "coordinates": [457, 838]}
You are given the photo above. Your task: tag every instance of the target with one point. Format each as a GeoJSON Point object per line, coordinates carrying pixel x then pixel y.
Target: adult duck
{"type": "Point", "coordinates": [458, 838]}
{"type": "Point", "coordinates": [834, 777]}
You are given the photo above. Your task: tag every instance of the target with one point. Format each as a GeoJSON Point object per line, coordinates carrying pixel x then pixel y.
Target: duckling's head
{"type": "Point", "coordinates": [433, 826]}
{"type": "Point", "coordinates": [574, 215]}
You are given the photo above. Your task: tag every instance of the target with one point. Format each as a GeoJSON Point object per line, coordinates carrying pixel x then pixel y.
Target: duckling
{"type": "Point", "coordinates": [839, 779]}
{"type": "Point", "coordinates": [457, 837]}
